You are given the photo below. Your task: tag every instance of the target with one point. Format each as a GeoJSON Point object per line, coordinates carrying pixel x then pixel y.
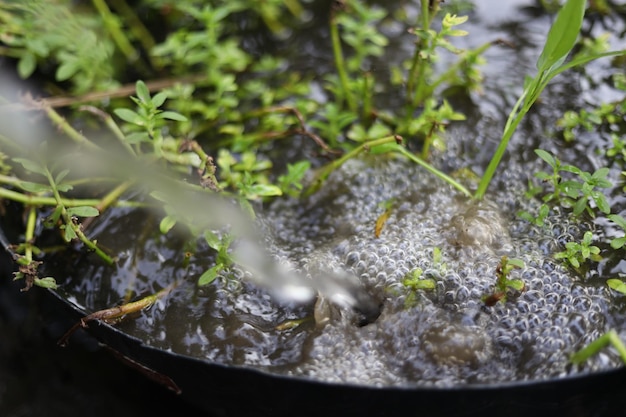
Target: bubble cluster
{"type": "Point", "coordinates": [444, 336]}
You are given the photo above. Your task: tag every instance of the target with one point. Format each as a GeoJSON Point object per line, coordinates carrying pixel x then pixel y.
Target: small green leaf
{"type": "Point", "coordinates": [61, 175]}
{"type": "Point", "coordinates": [170, 115]}
{"type": "Point", "coordinates": [159, 99]}
{"type": "Point", "coordinates": [546, 157]}
{"type": "Point", "coordinates": [31, 166]}
{"type": "Point", "coordinates": [166, 224]}
{"type": "Point", "coordinates": [617, 219]}
{"type": "Point", "coordinates": [212, 240]}
{"type": "Point", "coordinates": [69, 234]}
{"type": "Point", "coordinates": [210, 275]}
{"type": "Point", "coordinates": [143, 93]}
{"type": "Point", "coordinates": [83, 211]}
{"type": "Point", "coordinates": [516, 284]}
{"type": "Point", "coordinates": [33, 187]}
{"type": "Point", "coordinates": [264, 190]}
{"type": "Point", "coordinates": [129, 116]}
{"type": "Point", "coordinates": [617, 285]}
{"type": "Point", "coordinates": [516, 262]}
{"type": "Point", "coordinates": [137, 137]}
{"type": "Point", "coordinates": [618, 243]}
{"type": "Point", "coordinates": [66, 70]}
{"type": "Point", "coordinates": [26, 65]}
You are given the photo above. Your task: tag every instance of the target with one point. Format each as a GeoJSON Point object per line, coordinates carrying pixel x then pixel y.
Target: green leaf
{"type": "Point", "coordinates": [617, 285]}
{"type": "Point", "coordinates": [618, 242]}
{"type": "Point", "coordinates": [83, 211]}
{"type": "Point", "coordinates": [69, 234]}
{"type": "Point", "coordinates": [31, 166]}
{"type": "Point", "coordinates": [516, 284]}
{"type": "Point", "coordinates": [617, 219]}
{"type": "Point", "coordinates": [212, 240]}
{"type": "Point", "coordinates": [166, 224]}
{"type": "Point", "coordinates": [172, 116]}
{"type": "Point", "coordinates": [562, 35]}
{"type": "Point", "coordinates": [129, 116]}
{"type": "Point", "coordinates": [210, 275]}
{"type": "Point", "coordinates": [61, 176]}
{"type": "Point", "coordinates": [26, 66]}
{"type": "Point", "coordinates": [159, 99]}
{"type": "Point", "coordinates": [602, 203]}
{"type": "Point", "coordinates": [516, 262]}
{"type": "Point", "coordinates": [546, 156]}
{"type": "Point", "coordinates": [143, 93]}
{"type": "Point", "coordinates": [137, 137]}
{"type": "Point", "coordinates": [33, 187]}
{"type": "Point", "coordinates": [66, 70]}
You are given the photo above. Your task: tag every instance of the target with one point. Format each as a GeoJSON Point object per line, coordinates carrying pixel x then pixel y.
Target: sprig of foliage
{"type": "Point", "coordinates": [503, 281]}
{"type": "Point", "coordinates": [577, 253]}
{"type": "Point", "coordinates": [559, 42]}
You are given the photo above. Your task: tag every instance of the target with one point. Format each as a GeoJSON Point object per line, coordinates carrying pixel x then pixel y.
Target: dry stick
{"type": "Point", "coordinates": [113, 314]}
{"type": "Point", "coordinates": [123, 91]}
{"type": "Point", "coordinates": [302, 130]}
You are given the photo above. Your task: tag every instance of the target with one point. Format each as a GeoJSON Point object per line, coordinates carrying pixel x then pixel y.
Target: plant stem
{"type": "Point", "coordinates": [434, 171]}
{"type": "Point", "coordinates": [332, 166]}
{"type": "Point", "coordinates": [340, 63]}
{"type": "Point", "coordinates": [67, 202]}
{"type": "Point", "coordinates": [497, 157]}
{"type": "Point", "coordinates": [112, 24]}
{"type": "Point", "coordinates": [69, 222]}
{"type": "Point", "coordinates": [29, 233]}
{"type": "Point", "coordinates": [72, 133]}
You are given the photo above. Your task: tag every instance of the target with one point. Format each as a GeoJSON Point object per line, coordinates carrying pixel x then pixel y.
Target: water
{"type": "Point", "coordinates": [443, 337]}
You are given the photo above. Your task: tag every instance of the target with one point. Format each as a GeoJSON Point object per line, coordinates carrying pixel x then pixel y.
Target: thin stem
{"type": "Point", "coordinates": [497, 157]}
{"type": "Point", "coordinates": [112, 24]}
{"type": "Point", "coordinates": [332, 166]}
{"type": "Point", "coordinates": [29, 234]}
{"type": "Point", "coordinates": [108, 200]}
{"type": "Point", "coordinates": [69, 222]}
{"type": "Point", "coordinates": [340, 63]}
{"type": "Point", "coordinates": [434, 171]}
{"type": "Point", "coordinates": [67, 202]}
{"type": "Point", "coordinates": [72, 133]}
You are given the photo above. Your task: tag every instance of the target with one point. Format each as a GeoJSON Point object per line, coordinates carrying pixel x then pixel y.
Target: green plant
{"type": "Point", "coordinates": [609, 338]}
{"type": "Point", "coordinates": [503, 281]}
{"type": "Point", "coordinates": [574, 194]}
{"type": "Point", "coordinates": [552, 61]}
{"type": "Point", "coordinates": [577, 253]}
